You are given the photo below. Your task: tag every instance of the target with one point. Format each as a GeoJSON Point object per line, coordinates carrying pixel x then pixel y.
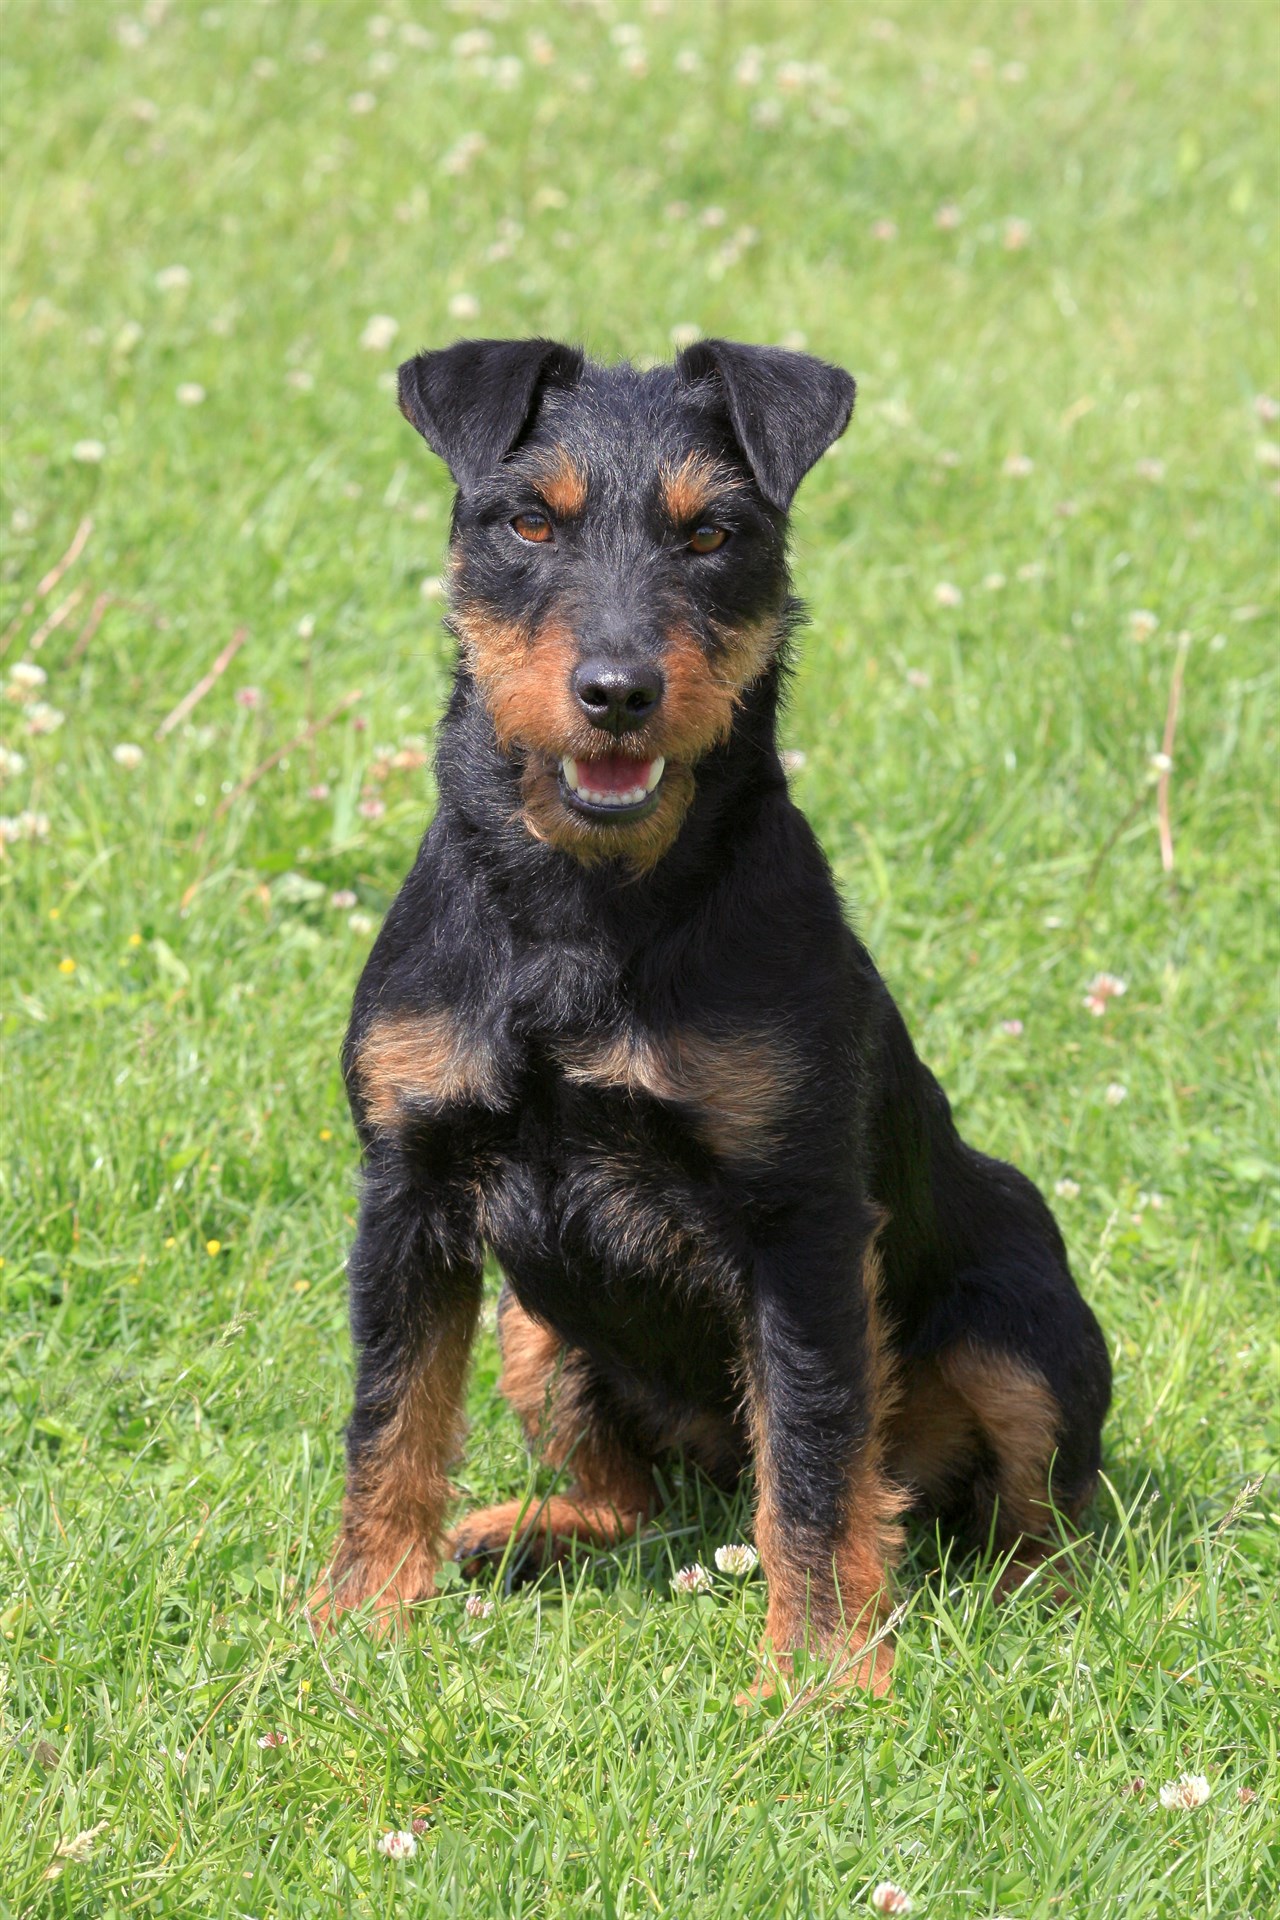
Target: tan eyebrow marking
{"type": "Point", "coordinates": [688, 490]}
{"type": "Point", "coordinates": [561, 482]}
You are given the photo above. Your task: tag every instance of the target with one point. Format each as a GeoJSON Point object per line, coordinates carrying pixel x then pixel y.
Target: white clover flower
{"type": "Point", "coordinates": [268, 1740]}
{"type": "Point", "coordinates": [948, 217]}
{"type": "Point", "coordinates": [946, 594]}
{"type": "Point", "coordinates": [1188, 1791]}
{"type": "Point", "coordinates": [1116, 1093]}
{"type": "Point", "coordinates": [885, 230]}
{"type": "Point", "coordinates": [362, 102]}
{"type": "Point", "coordinates": [397, 1845]}
{"type": "Point", "coordinates": [1017, 235]}
{"type": "Point", "coordinates": [736, 1559]}
{"type": "Point", "coordinates": [88, 452]}
{"type": "Point", "coordinates": [300, 380]}
{"type": "Point", "coordinates": [464, 306]}
{"type": "Point", "coordinates": [11, 764]}
{"type": "Point", "coordinates": [1102, 988]}
{"type": "Point", "coordinates": [887, 1898]}
{"type": "Point", "coordinates": [127, 755]}
{"type": "Point", "coordinates": [42, 718]}
{"type": "Point", "coordinates": [1142, 623]}
{"type": "Point", "coordinates": [173, 279]}
{"type": "Point", "coordinates": [1066, 1188]}
{"type": "Point", "coordinates": [993, 582]}
{"type": "Point", "coordinates": [342, 899]}
{"type": "Point", "coordinates": [1018, 465]}
{"type": "Point", "coordinates": [478, 1606]}
{"type": "Point", "coordinates": [694, 1579]}
{"type": "Point", "coordinates": [472, 45]}
{"type": "Point", "coordinates": [26, 674]}
{"type": "Point", "coordinates": [379, 332]}
{"type": "Point", "coordinates": [23, 826]}
{"type": "Point", "coordinates": [360, 922]}
{"type": "Point", "coordinates": [190, 394]}
{"type": "Point", "coordinates": [1151, 469]}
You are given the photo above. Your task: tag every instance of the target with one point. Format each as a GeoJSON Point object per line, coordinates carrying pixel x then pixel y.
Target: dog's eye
{"type": "Point", "coordinates": [707, 539]}
{"type": "Point", "coordinates": [532, 526]}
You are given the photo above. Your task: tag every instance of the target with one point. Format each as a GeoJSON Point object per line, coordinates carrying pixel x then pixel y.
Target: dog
{"type": "Point", "coordinates": [616, 1030]}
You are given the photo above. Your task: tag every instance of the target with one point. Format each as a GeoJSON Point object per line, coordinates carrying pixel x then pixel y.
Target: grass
{"type": "Point", "coordinates": [178, 1184]}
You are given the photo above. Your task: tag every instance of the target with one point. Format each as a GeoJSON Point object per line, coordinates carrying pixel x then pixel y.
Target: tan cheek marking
{"type": "Point", "coordinates": [737, 1090]}
{"type": "Point", "coordinates": [412, 1060]}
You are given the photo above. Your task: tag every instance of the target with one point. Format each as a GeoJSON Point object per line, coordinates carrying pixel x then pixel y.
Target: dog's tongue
{"type": "Point", "coordinates": [614, 773]}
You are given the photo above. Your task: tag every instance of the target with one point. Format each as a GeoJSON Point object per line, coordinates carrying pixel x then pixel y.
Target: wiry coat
{"type": "Point", "coordinates": [641, 1056]}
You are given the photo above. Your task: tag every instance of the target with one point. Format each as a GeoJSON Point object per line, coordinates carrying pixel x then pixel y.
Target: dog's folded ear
{"type": "Point", "coordinates": [785, 408]}
{"type": "Point", "coordinates": [472, 401]}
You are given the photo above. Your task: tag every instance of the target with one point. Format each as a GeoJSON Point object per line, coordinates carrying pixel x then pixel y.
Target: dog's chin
{"type": "Point", "coordinates": [606, 807]}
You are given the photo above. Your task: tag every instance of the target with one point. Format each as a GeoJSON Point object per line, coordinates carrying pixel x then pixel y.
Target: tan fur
{"type": "Point", "coordinates": [525, 680]}
{"type": "Point", "coordinates": [687, 491]}
{"type": "Point", "coordinates": [611, 1494]}
{"type": "Point", "coordinates": [835, 1607]}
{"type": "Point", "coordinates": [397, 1492]}
{"type": "Point", "coordinates": [562, 484]}
{"type": "Point", "coordinates": [737, 1090]}
{"type": "Point", "coordinates": [1017, 1413]}
{"type": "Point", "coordinates": [933, 1435]}
{"type": "Point", "coordinates": [409, 1061]}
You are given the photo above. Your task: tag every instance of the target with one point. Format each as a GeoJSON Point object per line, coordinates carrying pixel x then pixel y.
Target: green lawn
{"type": "Point", "coordinates": [1043, 238]}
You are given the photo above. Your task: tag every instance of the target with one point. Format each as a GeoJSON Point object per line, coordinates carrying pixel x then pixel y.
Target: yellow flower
{"type": "Point", "coordinates": [326, 1133]}
{"type": "Point", "coordinates": [302, 1286]}
{"type": "Point", "coordinates": [135, 940]}
{"type": "Point", "coordinates": [171, 1242]}
{"type": "Point", "coordinates": [212, 1246]}
{"type": "Point", "coordinates": [55, 913]}
{"type": "Point", "coordinates": [66, 964]}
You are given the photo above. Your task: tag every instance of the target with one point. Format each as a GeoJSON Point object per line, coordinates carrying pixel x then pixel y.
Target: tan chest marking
{"type": "Point", "coordinates": [737, 1090]}
{"type": "Point", "coordinates": [411, 1061]}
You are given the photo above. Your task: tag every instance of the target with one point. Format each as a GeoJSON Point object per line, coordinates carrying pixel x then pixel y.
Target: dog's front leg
{"type": "Point", "coordinates": [818, 1392]}
{"type": "Point", "coordinates": [414, 1278]}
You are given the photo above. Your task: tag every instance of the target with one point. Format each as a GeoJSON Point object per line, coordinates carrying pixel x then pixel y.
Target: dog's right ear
{"type": "Point", "coordinates": [471, 402]}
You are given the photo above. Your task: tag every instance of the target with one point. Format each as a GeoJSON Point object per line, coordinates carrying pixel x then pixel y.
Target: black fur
{"type": "Point", "coordinates": [584, 1191]}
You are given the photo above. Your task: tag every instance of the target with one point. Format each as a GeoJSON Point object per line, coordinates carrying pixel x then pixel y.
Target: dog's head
{"type": "Point", "coordinates": [617, 566]}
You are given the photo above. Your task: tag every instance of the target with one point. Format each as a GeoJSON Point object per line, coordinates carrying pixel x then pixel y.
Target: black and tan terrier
{"type": "Point", "coordinates": [616, 1030]}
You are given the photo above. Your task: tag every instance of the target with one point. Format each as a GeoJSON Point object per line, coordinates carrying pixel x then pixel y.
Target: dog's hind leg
{"type": "Point", "coordinates": [1000, 1422]}
{"type": "Point", "coordinates": [567, 1419]}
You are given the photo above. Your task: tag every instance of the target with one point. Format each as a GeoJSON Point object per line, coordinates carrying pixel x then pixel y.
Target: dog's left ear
{"type": "Point", "coordinates": [785, 408]}
{"type": "Point", "coordinates": [471, 401]}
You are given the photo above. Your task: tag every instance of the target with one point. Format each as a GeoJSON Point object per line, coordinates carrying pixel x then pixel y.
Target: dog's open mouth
{"type": "Point", "coordinates": [612, 787]}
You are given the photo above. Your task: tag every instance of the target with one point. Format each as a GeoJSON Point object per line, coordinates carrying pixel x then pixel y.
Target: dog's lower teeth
{"type": "Point", "coordinates": [574, 773]}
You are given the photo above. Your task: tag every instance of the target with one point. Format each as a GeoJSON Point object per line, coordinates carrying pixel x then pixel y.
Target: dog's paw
{"type": "Point", "coordinates": [481, 1541]}
{"type": "Point", "coordinates": [386, 1589]}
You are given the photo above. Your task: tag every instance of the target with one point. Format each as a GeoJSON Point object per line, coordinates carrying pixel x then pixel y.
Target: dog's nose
{"type": "Point", "coordinates": [615, 695]}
